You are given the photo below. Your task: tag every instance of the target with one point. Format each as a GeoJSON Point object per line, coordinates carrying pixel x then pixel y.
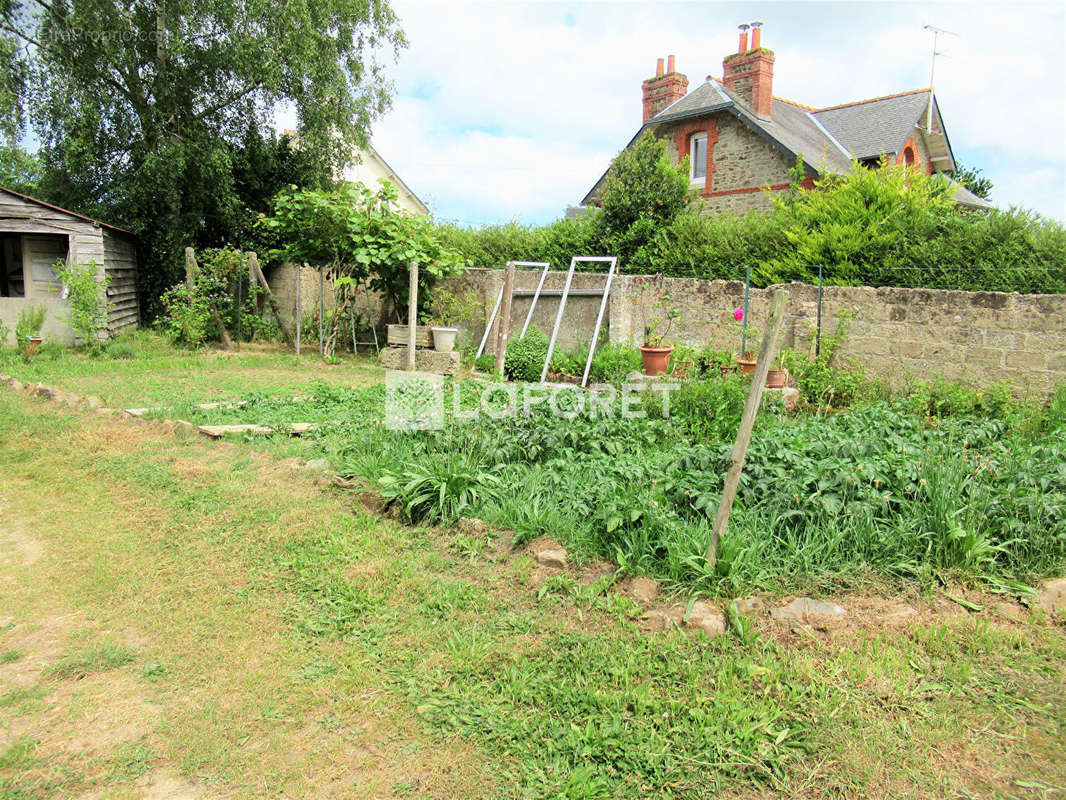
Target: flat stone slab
{"type": "Point", "coordinates": [218, 431]}
{"type": "Point", "coordinates": [1052, 596]}
{"type": "Point", "coordinates": [293, 429]}
{"type": "Point", "coordinates": [812, 612]}
{"type": "Point", "coordinates": [644, 590]}
{"type": "Point", "coordinates": [425, 360]}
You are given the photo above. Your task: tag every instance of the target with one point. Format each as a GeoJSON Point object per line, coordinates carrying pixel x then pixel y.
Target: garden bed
{"type": "Point", "coordinates": [906, 488]}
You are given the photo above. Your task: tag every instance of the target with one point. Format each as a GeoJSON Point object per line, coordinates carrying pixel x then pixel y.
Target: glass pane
{"type": "Point", "coordinates": [699, 157]}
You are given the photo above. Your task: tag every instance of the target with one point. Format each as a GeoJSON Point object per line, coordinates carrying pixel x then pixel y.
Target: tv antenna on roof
{"type": "Point", "coordinates": [932, 70]}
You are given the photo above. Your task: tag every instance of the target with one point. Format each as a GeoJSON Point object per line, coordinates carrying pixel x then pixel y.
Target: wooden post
{"type": "Point", "coordinates": [299, 307]}
{"type": "Point", "coordinates": [767, 353]}
{"type": "Point", "coordinates": [190, 268]}
{"type": "Point", "coordinates": [322, 311]}
{"type": "Point", "coordinates": [257, 273]}
{"type": "Point", "coordinates": [504, 332]}
{"type": "Point", "coordinates": [191, 272]}
{"type": "Point", "coordinates": [412, 315]}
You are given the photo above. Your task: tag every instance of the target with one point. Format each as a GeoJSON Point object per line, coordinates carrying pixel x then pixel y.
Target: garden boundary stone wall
{"type": "Point", "coordinates": [898, 334]}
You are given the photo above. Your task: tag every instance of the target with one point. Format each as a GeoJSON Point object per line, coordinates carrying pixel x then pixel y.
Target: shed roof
{"type": "Point", "coordinates": [26, 197]}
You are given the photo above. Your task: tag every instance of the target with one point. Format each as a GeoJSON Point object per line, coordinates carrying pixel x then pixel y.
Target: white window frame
{"type": "Point", "coordinates": [692, 177]}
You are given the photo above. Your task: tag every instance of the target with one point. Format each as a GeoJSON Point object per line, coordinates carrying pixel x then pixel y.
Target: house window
{"type": "Point", "coordinates": [698, 158]}
{"type": "Point", "coordinates": [12, 279]}
{"type": "Point", "coordinates": [908, 156]}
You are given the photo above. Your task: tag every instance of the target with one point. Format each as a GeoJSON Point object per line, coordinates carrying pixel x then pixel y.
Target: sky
{"type": "Point", "coordinates": [512, 110]}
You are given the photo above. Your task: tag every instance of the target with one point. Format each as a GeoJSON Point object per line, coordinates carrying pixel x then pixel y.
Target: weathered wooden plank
{"type": "Point", "coordinates": [128, 321]}
{"type": "Point", "coordinates": [398, 336]}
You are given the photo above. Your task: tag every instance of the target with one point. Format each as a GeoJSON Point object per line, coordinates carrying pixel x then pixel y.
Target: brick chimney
{"type": "Point", "coordinates": [750, 73]}
{"type": "Point", "coordinates": [663, 89]}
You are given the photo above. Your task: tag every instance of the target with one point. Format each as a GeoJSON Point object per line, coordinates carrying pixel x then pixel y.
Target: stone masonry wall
{"type": "Point", "coordinates": [896, 334]}
{"type": "Point", "coordinates": [976, 338]}
{"type": "Point", "coordinates": [740, 164]}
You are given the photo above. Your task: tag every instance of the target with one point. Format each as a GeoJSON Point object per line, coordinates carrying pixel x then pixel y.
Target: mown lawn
{"type": "Point", "coordinates": [150, 372]}
{"type": "Point", "coordinates": [193, 618]}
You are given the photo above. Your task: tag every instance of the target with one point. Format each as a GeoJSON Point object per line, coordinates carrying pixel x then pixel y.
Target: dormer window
{"type": "Point", "coordinates": [698, 158]}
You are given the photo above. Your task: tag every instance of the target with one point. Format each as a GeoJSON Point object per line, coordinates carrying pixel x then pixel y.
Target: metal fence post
{"type": "Point", "coordinates": [744, 330]}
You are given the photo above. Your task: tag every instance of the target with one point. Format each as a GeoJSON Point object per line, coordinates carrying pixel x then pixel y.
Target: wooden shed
{"type": "Point", "coordinates": [34, 235]}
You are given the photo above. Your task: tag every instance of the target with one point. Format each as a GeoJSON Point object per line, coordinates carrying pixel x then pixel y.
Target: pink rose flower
{"type": "Point", "coordinates": [738, 314]}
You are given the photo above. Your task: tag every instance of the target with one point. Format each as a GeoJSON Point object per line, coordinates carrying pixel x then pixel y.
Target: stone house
{"type": "Point", "coordinates": [34, 235]}
{"type": "Point", "coordinates": [741, 139]}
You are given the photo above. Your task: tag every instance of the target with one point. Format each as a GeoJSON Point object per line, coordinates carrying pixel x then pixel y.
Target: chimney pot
{"type": "Point", "coordinates": [742, 45]}
{"type": "Point", "coordinates": [663, 89]}
{"type": "Point", "coordinates": [749, 74]}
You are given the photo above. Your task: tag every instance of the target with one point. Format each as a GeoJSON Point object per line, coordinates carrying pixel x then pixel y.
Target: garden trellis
{"type": "Point", "coordinates": [499, 302]}
{"type": "Point", "coordinates": [613, 261]}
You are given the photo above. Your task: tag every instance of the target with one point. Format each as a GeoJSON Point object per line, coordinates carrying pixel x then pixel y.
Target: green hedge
{"type": "Point", "coordinates": [879, 227]}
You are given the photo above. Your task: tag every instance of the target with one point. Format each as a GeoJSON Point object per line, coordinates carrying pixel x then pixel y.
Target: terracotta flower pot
{"type": "Point", "coordinates": [747, 363]}
{"type": "Point", "coordinates": [33, 344]}
{"type": "Point", "coordinates": [775, 379]}
{"type": "Point", "coordinates": [656, 359]}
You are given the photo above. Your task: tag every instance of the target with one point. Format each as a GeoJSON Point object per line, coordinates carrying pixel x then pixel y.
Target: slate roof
{"type": "Point", "coordinates": [873, 127]}
{"type": "Point", "coordinates": [827, 138]}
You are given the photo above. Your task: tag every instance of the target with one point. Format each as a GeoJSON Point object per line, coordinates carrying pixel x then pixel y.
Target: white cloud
{"type": "Point", "coordinates": [514, 109]}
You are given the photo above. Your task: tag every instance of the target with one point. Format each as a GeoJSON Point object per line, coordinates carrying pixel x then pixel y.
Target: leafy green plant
{"type": "Point", "coordinates": [822, 380]}
{"type": "Point", "coordinates": [451, 309]}
{"type": "Point", "coordinates": [5, 331]}
{"type": "Point", "coordinates": [939, 398]}
{"type": "Point", "coordinates": [524, 359]}
{"type": "Point", "coordinates": [186, 317]}
{"type": "Point", "coordinates": [654, 309]}
{"type": "Point", "coordinates": [486, 362]}
{"type": "Point", "coordinates": [87, 295]}
{"type": "Point", "coordinates": [28, 325]}
{"type": "Point", "coordinates": [439, 489]}
{"type": "Point", "coordinates": [221, 283]}
{"type": "Point", "coordinates": [613, 363]}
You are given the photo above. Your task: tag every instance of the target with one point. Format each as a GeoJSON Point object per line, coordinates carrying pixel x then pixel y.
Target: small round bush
{"type": "Point", "coordinates": [525, 356]}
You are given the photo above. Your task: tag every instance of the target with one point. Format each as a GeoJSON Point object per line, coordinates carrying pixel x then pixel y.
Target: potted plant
{"type": "Point", "coordinates": [28, 329]}
{"type": "Point", "coordinates": [746, 360]}
{"type": "Point", "coordinates": [446, 309]}
{"type": "Point", "coordinates": [656, 318]}
{"type": "Point", "coordinates": [776, 378]}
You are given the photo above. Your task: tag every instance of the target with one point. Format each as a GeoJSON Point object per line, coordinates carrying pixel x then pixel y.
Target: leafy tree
{"type": "Point", "coordinates": [139, 105]}
{"type": "Point", "coordinates": [972, 179]}
{"type": "Point", "coordinates": [642, 193]}
{"type": "Point", "coordinates": [19, 170]}
{"type": "Point", "coordinates": [363, 237]}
